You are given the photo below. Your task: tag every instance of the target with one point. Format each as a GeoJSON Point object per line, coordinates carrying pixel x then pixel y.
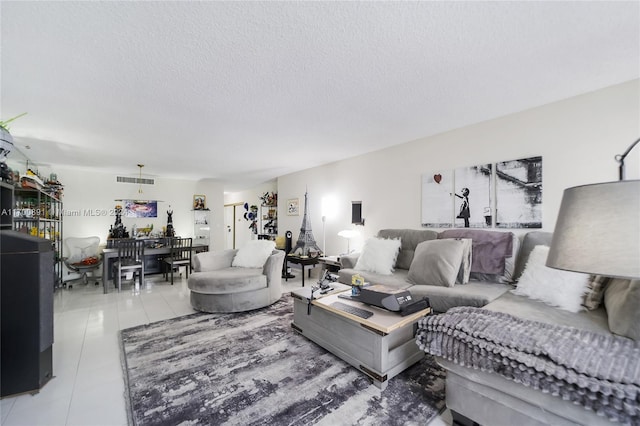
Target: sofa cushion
{"type": "Point", "coordinates": [562, 289]}
{"type": "Point", "coordinates": [473, 294]}
{"type": "Point", "coordinates": [253, 254]}
{"type": "Point", "coordinates": [441, 298]}
{"type": "Point", "coordinates": [213, 260]}
{"type": "Point", "coordinates": [397, 280]}
{"type": "Point", "coordinates": [437, 262]}
{"type": "Point", "coordinates": [530, 240]}
{"type": "Point", "coordinates": [621, 299]}
{"type": "Point", "coordinates": [228, 280]}
{"type": "Point", "coordinates": [378, 255]}
{"type": "Point", "coordinates": [410, 238]}
{"type": "Point", "coordinates": [535, 310]}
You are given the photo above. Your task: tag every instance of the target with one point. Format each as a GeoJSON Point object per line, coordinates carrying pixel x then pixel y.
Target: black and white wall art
{"type": "Point", "coordinates": [507, 194]}
{"type": "Point", "coordinates": [519, 193]}
{"type": "Point", "coordinates": [437, 203]}
{"type": "Point", "coordinates": [457, 198]}
{"type": "Point", "coordinates": [472, 196]}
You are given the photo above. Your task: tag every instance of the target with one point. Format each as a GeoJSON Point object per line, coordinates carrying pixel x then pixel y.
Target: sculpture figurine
{"type": "Point", "coordinates": [118, 230]}
{"type": "Point", "coordinates": [170, 232]}
{"type": "Point", "coordinates": [306, 244]}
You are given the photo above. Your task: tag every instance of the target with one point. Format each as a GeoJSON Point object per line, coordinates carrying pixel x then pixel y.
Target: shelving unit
{"type": "Point", "coordinates": [201, 227]}
{"type": "Point", "coordinates": [269, 220]}
{"type": "Point", "coordinates": [40, 214]}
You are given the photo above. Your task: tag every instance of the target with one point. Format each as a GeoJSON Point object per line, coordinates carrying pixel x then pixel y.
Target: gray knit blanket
{"type": "Point", "coordinates": [599, 372]}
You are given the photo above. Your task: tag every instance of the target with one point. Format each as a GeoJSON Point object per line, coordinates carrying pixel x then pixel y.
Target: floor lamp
{"type": "Point", "coordinates": [598, 228]}
{"type": "Point", "coordinates": [324, 237]}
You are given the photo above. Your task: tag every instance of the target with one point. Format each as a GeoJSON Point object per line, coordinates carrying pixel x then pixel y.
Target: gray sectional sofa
{"type": "Point", "coordinates": [475, 396]}
{"type": "Point", "coordinates": [481, 289]}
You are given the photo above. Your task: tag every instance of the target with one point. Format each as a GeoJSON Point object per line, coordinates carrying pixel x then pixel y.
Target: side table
{"type": "Point", "coordinates": [302, 261]}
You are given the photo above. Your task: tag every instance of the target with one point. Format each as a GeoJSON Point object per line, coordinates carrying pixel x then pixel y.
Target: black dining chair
{"type": "Point", "coordinates": [130, 258]}
{"type": "Point", "coordinates": [179, 255]}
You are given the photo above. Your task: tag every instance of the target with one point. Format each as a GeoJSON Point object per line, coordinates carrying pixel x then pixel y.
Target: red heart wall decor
{"type": "Point", "coordinates": [437, 178]}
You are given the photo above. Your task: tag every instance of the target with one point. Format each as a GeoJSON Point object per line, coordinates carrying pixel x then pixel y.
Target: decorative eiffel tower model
{"type": "Point", "coordinates": [306, 243]}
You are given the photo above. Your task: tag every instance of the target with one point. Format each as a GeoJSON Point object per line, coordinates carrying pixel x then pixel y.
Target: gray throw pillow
{"type": "Point", "coordinates": [465, 266]}
{"type": "Point", "coordinates": [621, 299]}
{"type": "Point", "coordinates": [436, 262]}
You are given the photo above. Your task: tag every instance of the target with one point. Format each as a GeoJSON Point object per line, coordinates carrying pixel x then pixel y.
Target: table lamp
{"type": "Point", "coordinates": [348, 234]}
{"type": "Point", "coordinates": [598, 228]}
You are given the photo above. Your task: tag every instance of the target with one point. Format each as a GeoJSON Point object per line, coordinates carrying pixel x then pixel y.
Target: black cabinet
{"type": "Point", "coordinates": [26, 316]}
{"type": "Point", "coordinates": [6, 204]}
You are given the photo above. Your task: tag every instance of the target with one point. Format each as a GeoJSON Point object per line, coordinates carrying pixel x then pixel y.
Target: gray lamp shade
{"type": "Point", "coordinates": [598, 230]}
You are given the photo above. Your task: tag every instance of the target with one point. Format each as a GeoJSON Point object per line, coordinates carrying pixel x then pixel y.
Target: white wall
{"type": "Point", "coordinates": [252, 195]}
{"type": "Point", "coordinates": [577, 138]}
{"type": "Point", "coordinates": [89, 201]}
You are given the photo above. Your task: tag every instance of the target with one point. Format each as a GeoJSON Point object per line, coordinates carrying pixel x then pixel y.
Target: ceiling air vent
{"type": "Point", "coordinates": [140, 181]}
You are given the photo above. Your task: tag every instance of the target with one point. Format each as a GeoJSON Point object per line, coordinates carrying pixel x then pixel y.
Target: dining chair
{"type": "Point", "coordinates": [130, 259]}
{"type": "Point", "coordinates": [179, 255]}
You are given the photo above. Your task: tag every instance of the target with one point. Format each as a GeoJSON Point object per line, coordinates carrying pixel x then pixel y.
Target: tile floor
{"type": "Point", "coordinates": [88, 387]}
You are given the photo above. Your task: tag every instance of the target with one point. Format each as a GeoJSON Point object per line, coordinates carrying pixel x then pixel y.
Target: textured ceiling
{"type": "Point", "coordinates": [248, 91]}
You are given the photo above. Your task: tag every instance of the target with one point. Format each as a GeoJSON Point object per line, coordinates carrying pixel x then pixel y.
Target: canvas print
{"type": "Point", "coordinates": [437, 202]}
{"type": "Point", "coordinates": [138, 208]}
{"type": "Point", "coordinates": [199, 202]}
{"type": "Point", "coordinates": [519, 193]}
{"type": "Point", "coordinates": [293, 207]}
{"type": "Point", "coordinates": [472, 196]}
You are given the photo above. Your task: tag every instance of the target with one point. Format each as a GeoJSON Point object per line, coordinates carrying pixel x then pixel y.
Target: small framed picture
{"type": "Point", "coordinates": [293, 207]}
{"type": "Point", "coordinates": [199, 202]}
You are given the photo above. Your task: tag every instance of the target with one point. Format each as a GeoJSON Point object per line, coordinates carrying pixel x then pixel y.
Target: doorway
{"type": "Point", "coordinates": [237, 231]}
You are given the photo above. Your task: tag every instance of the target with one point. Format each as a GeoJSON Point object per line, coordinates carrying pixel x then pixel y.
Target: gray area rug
{"type": "Point", "coordinates": [253, 369]}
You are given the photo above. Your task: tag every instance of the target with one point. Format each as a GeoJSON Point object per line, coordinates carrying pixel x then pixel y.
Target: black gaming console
{"type": "Point", "coordinates": [392, 299]}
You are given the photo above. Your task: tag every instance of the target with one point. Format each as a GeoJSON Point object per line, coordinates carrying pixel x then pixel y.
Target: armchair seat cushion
{"type": "Point", "coordinates": [216, 286]}
{"type": "Point", "coordinates": [228, 280]}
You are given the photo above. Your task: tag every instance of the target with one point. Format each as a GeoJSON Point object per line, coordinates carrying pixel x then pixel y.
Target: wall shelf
{"type": "Point", "coordinates": [269, 221]}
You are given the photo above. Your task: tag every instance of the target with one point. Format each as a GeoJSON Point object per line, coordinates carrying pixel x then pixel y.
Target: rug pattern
{"type": "Point", "coordinates": [253, 369]}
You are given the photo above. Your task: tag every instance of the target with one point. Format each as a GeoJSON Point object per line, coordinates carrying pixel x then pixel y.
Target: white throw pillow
{"type": "Point", "coordinates": [562, 289]}
{"type": "Point", "coordinates": [254, 254]}
{"type": "Point", "coordinates": [379, 255]}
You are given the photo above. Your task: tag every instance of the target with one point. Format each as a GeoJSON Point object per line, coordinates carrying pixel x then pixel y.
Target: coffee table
{"type": "Point", "coordinates": [381, 346]}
